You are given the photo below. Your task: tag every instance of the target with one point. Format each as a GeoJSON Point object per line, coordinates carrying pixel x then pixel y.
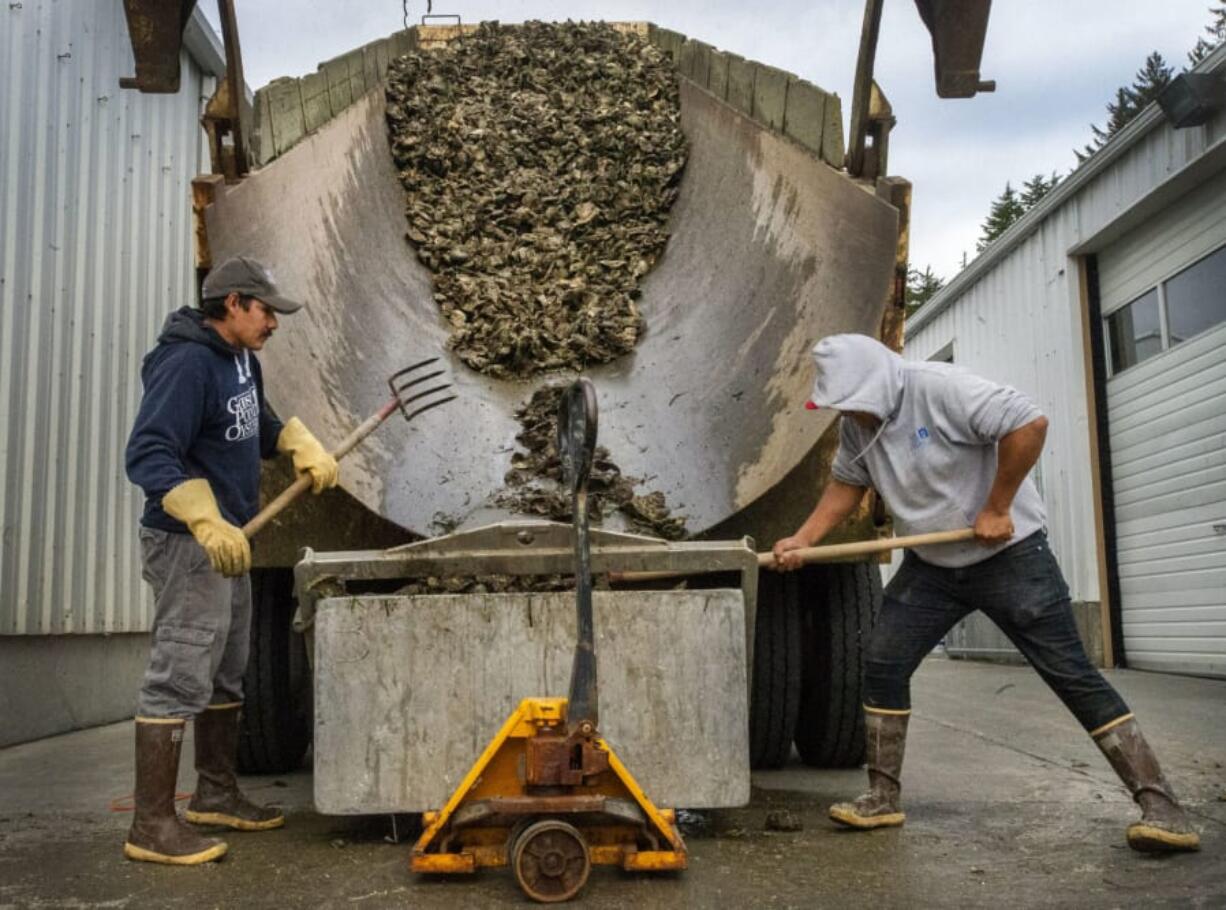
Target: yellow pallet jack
{"type": "Point", "coordinates": [548, 796]}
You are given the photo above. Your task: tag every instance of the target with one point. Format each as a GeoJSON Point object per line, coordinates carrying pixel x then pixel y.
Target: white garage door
{"type": "Point", "coordinates": [1163, 289]}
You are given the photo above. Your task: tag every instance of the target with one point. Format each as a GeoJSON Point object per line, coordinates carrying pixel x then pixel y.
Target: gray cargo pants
{"type": "Point", "coordinates": [201, 629]}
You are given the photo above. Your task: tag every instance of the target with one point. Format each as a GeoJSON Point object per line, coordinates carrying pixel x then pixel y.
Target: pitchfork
{"type": "Point", "coordinates": [408, 397]}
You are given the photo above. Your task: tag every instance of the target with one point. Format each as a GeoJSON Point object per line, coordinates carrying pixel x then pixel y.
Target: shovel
{"type": "Point", "coordinates": [828, 553]}
{"type": "Point", "coordinates": [413, 393]}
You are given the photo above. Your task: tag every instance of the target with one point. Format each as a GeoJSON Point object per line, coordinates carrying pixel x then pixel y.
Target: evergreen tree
{"type": "Point", "coordinates": [1130, 100]}
{"type": "Point", "coordinates": [921, 286]}
{"type": "Point", "coordinates": [1005, 210]}
{"type": "Point", "coordinates": [1150, 81]}
{"type": "Point", "coordinates": [1216, 30]}
{"type": "Point", "coordinates": [1199, 52]}
{"type": "Point", "coordinates": [1036, 188]}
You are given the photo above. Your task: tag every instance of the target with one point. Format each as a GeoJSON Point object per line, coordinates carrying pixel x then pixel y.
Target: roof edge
{"type": "Point", "coordinates": [204, 44]}
{"type": "Point", "coordinates": [1149, 119]}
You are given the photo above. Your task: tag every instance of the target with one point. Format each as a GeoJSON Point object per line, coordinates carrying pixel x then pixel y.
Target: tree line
{"type": "Point", "coordinates": [1128, 101]}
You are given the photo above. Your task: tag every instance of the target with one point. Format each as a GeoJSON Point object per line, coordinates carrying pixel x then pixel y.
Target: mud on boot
{"type": "Point", "coordinates": [1164, 826]}
{"type": "Point", "coordinates": [218, 800]}
{"type": "Point", "coordinates": [886, 740]}
{"type": "Point", "coordinates": [157, 834]}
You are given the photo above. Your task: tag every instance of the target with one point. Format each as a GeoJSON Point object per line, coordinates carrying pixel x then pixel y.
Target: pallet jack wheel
{"type": "Point", "coordinates": [551, 861]}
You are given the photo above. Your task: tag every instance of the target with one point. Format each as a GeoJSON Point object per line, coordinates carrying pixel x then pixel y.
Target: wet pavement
{"type": "Point", "coordinates": [1009, 804]}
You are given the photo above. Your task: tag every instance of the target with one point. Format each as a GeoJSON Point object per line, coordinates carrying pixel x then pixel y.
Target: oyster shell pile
{"type": "Point", "coordinates": [539, 163]}
{"type": "Point", "coordinates": [534, 483]}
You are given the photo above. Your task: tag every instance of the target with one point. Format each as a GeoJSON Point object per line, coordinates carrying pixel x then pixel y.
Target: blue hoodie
{"type": "Point", "coordinates": [202, 415]}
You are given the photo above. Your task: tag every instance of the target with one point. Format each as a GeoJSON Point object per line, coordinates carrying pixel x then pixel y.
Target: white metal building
{"type": "Point", "coordinates": [1107, 303]}
{"type": "Point", "coordinates": [95, 249]}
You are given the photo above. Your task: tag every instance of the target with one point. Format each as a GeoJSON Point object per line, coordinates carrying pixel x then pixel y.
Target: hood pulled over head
{"type": "Point", "coordinates": [188, 324]}
{"type": "Point", "coordinates": [857, 373]}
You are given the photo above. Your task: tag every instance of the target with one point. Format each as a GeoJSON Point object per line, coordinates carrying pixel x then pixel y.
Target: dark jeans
{"type": "Point", "coordinates": [1022, 591]}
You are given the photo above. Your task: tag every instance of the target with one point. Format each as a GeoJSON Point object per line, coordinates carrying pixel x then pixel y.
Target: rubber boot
{"type": "Point", "coordinates": [217, 800]}
{"type": "Point", "coordinates": [1163, 826]}
{"type": "Point", "coordinates": [157, 834]}
{"type": "Point", "coordinates": [880, 807]}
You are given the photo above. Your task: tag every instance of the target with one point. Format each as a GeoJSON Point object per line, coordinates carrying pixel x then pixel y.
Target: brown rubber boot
{"type": "Point", "coordinates": [1163, 826]}
{"type": "Point", "coordinates": [157, 834]}
{"type": "Point", "coordinates": [217, 800]}
{"type": "Point", "coordinates": [886, 736]}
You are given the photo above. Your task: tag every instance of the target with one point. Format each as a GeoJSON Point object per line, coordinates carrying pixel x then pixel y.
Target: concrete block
{"type": "Point", "coordinates": [805, 114]}
{"type": "Point", "coordinates": [770, 94]}
{"type": "Point", "coordinates": [370, 65]}
{"type": "Point", "coordinates": [702, 63]}
{"type": "Point", "coordinates": [356, 61]}
{"type": "Point", "coordinates": [833, 149]}
{"type": "Point", "coordinates": [336, 73]}
{"type": "Point", "coordinates": [685, 58]}
{"type": "Point", "coordinates": [285, 114]}
{"type": "Point", "coordinates": [717, 76]}
{"type": "Point", "coordinates": [410, 690]}
{"type": "Point", "coordinates": [666, 40]}
{"type": "Point", "coordinates": [259, 143]}
{"type": "Point", "coordinates": [51, 684]}
{"type": "Point", "coordinates": [316, 103]}
{"type": "Point", "coordinates": [383, 55]}
{"type": "Point", "coordinates": [741, 75]}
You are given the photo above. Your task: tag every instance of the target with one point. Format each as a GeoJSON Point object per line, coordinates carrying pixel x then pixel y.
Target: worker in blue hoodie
{"type": "Point", "coordinates": [946, 450]}
{"type": "Point", "coordinates": [195, 451]}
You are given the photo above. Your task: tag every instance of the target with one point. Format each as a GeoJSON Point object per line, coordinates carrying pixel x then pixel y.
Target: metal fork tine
{"type": "Point", "coordinates": [401, 382]}
{"type": "Point", "coordinates": [421, 379]}
{"type": "Point", "coordinates": [412, 398]}
{"type": "Point", "coordinates": [416, 366]}
{"type": "Point", "coordinates": [426, 407]}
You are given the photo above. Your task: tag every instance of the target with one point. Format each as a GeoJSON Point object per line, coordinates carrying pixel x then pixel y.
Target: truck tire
{"type": "Point", "coordinates": [839, 606]}
{"type": "Point", "coordinates": [775, 693]}
{"type": "Point", "coordinates": [277, 710]}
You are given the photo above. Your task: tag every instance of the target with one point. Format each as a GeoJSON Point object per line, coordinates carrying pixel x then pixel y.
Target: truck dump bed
{"type": "Point", "coordinates": [770, 250]}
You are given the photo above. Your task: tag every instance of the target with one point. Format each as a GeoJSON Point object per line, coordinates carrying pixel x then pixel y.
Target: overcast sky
{"type": "Point", "coordinates": [1056, 64]}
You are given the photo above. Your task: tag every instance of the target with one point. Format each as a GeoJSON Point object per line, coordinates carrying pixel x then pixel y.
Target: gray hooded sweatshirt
{"type": "Point", "coordinates": [933, 459]}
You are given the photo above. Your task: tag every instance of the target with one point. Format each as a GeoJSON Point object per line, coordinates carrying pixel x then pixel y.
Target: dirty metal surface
{"type": "Point", "coordinates": [770, 250]}
{"type": "Point", "coordinates": [409, 691]}
{"type": "Point", "coordinates": [156, 30]}
{"type": "Point", "coordinates": [958, 29]}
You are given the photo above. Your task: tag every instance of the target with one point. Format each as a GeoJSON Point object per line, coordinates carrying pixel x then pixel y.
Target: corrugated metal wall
{"type": "Point", "coordinates": [1020, 320]}
{"type": "Point", "coordinates": [1021, 325]}
{"type": "Point", "coordinates": [95, 248]}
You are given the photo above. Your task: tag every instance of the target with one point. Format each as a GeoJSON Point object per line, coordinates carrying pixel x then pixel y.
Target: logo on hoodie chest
{"type": "Point", "coordinates": [920, 438]}
{"type": "Point", "coordinates": [245, 406]}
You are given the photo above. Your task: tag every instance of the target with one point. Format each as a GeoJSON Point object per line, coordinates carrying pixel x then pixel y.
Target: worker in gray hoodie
{"type": "Point", "coordinates": [945, 450]}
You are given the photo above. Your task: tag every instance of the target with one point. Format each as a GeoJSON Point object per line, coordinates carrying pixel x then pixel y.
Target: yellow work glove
{"type": "Point", "coordinates": [309, 456]}
{"type": "Point", "coordinates": [193, 504]}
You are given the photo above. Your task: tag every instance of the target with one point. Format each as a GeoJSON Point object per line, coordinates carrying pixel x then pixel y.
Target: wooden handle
{"type": "Point", "coordinates": [829, 553]}
{"type": "Point", "coordinates": [303, 482]}
{"type": "Point", "coordinates": [864, 547]}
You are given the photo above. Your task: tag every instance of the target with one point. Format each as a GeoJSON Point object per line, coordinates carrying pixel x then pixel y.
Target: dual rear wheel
{"type": "Point", "coordinates": [810, 633]}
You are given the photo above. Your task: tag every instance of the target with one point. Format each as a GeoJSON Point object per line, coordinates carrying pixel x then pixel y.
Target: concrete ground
{"type": "Point", "coordinates": [1009, 804]}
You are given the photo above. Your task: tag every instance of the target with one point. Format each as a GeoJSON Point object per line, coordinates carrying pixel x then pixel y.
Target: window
{"type": "Point", "coordinates": [1180, 307]}
{"type": "Point", "coordinates": [1196, 297]}
{"type": "Point", "coordinates": [1135, 332]}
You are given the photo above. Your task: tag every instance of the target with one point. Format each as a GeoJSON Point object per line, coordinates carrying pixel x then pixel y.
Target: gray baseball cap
{"type": "Point", "coordinates": [250, 278]}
